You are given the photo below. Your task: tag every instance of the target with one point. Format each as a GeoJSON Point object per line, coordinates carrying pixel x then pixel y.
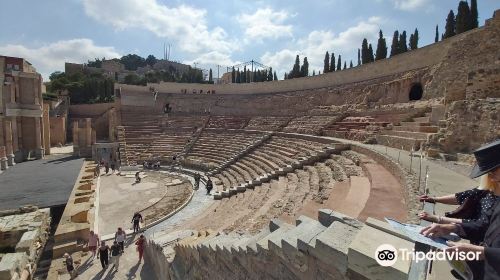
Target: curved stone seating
{"type": "Point", "coordinates": [267, 123]}
{"type": "Point", "coordinates": [309, 124]}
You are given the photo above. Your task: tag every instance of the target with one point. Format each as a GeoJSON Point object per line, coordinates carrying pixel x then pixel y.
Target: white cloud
{"type": "Point", "coordinates": [411, 5]}
{"type": "Point", "coordinates": [51, 57]}
{"type": "Point", "coordinates": [211, 59]}
{"type": "Point", "coordinates": [317, 42]}
{"type": "Point", "coordinates": [186, 25]}
{"type": "Point", "coordinates": [265, 23]}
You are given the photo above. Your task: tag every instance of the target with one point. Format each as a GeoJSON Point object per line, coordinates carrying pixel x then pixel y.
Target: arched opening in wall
{"type": "Point", "coordinates": [416, 92]}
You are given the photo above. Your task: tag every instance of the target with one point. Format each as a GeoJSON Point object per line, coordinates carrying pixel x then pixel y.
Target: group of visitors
{"type": "Point", "coordinates": [106, 254]}
{"type": "Point", "coordinates": [150, 165]}
{"type": "Point", "coordinates": [107, 166]}
{"type": "Point", "coordinates": [478, 216]}
{"type": "Point", "coordinates": [209, 185]}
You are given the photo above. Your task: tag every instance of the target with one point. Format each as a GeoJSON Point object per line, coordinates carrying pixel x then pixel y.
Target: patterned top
{"type": "Point", "coordinates": [485, 204]}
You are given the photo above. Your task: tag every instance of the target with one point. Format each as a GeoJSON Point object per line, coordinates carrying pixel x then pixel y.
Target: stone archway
{"type": "Point", "coordinates": [416, 92]}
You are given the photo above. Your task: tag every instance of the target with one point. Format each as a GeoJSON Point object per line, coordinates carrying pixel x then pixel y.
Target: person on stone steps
{"type": "Point", "coordinates": [209, 186]}
{"type": "Point", "coordinates": [141, 244]}
{"type": "Point", "coordinates": [70, 266]}
{"type": "Point", "coordinates": [488, 229]}
{"type": "Point", "coordinates": [120, 237]}
{"type": "Point", "coordinates": [103, 255]}
{"type": "Point", "coordinates": [474, 204]}
{"type": "Point", "coordinates": [136, 220]}
{"type": "Point", "coordinates": [93, 242]}
{"type": "Point", "coordinates": [197, 179]}
{"type": "Point", "coordinates": [115, 255]}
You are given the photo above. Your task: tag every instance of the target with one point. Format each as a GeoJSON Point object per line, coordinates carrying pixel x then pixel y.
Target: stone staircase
{"type": "Point", "coordinates": [333, 246]}
{"type": "Point", "coordinates": [409, 135]}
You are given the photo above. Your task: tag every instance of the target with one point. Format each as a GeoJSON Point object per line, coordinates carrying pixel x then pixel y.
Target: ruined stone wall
{"type": "Point", "coordinates": [57, 131]}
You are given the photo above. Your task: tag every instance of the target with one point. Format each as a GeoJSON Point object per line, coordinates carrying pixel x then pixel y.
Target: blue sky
{"type": "Point", "coordinates": [211, 33]}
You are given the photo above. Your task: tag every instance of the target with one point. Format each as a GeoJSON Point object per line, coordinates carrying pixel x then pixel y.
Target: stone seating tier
{"type": "Point", "coordinates": [267, 123]}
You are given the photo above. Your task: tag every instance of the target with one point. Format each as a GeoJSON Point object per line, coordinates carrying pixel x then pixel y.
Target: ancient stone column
{"type": "Point", "coordinates": [88, 132]}
{"type": "Point", "coordinates": [39, 150]}
{"type": "Point", "coordinates": [76, 145]}
{"type": "Point", "coordinates": [8, 142]}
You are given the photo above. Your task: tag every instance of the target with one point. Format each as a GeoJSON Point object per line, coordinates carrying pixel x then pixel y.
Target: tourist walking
{"type": "Point", "coordinates": [115, 255]}
{"type": "Point", "coordinates": [70, 267]}
{"type": "Point", "coordinates": [209, 186]}
{"type": "Point", "coordinates": [106, 167]}
{"type": "Point", "coordinates": [137, 177]}
{"type": "Point", "coordinates": [197, 179]}
{"type": "Point", "coordinates": [140, 243]}
{"type": "Point", "coordinates": [136, 221]}
{"type": "Point", "coordinates": [120, 237]}
{"type": "Point", "coordinates": [103, 255]}
{"type": "Point", "coordinates": [93, 242]}
{"type": "Point", "coordinates": [113, 166]}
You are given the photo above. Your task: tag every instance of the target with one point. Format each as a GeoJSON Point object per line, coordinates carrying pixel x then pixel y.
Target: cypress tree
{"type": "Point", "coordinates": [275, 77]}
{"type": "Point", "coordinates": [238, 77]}
{"type": "Point", "coordinates": [414, 40]}
{"type": "Point", "coordinates": [449, 29]}
{"type": "Point", "coordinates": [314, 72]}
{"type": "Point", "coordinates": [304, 70]}
{"type": "Point", "coordinates": [350, 65]}
{"type": "Point", "coordinates": [233, 76]}
{"type": "Point", "coordinates": [464, 18]}
{"type": "Point", "coordinates": [332, 63]}
{"type": "Point", "coordinates": [345, 65]}
{"type": "Point", "coordinates": [395, 44]}
{"type": "Point", "coordinates": [339, 64]}
{"type": "Point", "coordinates": [296, 68]}
{"type": "Point", "coordinates": [402, 43]}
{"type": "Point", "coordinates": [326, 63]}
{"type": "Point", "coordinates": [370, 53]}
{"type": "Point", "coordinates": [270, 74]}
{"type": "Point", "coordinates": [285, 76]}
{"type": "Point", "coordinates": [210, 76]}
{"type": "Point", "coordinates": [474, 14]}
{"type": "Point", "coordinates": [244, 76]}
{"type": "Point", "coordinates": [359, 57]}
{"type": "Point", "coordinates": [364, 52]}
{"type": "Point", "coordinates": [381, 47]}
{"type": "Point", "coordinates": [436, 37]}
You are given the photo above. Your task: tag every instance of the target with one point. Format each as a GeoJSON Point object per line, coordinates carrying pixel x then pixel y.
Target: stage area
{"type": "Point", "coordinates": [43, 183]}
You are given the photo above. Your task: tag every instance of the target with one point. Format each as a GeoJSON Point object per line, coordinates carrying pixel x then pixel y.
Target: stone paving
{"type": "Point", "coordinates": [199, 203]}
{"type": "Point", "coordinates": [129, 268]}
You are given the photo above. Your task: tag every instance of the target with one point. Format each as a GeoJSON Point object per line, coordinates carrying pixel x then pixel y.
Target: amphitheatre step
{"type": "Point", "coordinates": [301, 236]}
{"type": "Point", "coordinates": [426, 119]}
{"type": "Point", "coordinates": [332, 245]}
{"type": "Point", "coordinates": [408, 134]}
{"type": "Point", "coordinates": [273, 237]}
{"type": "Point", "coordinates": [413, 124]}
{"type": "Point", "coordinates": [356, 198]}
{"type": "Point", "coordinates": [399, 142]}
{"type": "Point", "coordinates": [426, 129]}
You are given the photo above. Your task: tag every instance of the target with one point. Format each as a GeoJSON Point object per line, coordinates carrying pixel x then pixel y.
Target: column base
{"type": "Point", "coordinates": [3, 163]}
{"type": "Point", "coordinates": [39, 153]}
{"type": "Point", "coordinates": [11, 160]}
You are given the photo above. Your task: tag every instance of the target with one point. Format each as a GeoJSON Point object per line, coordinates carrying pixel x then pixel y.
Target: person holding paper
{"type": "Point", "coordinates": [488, 229]}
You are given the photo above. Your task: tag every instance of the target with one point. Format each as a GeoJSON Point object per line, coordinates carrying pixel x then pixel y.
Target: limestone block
{"type": "Point", "coordinates": [307, 231]}
{"type": "Point", "coordinates": [11, 263]}
{"type": "Point", "coordinates": [332, 245]}
{"type": "Point", "coordinates": [361, 255]}
{"type": "Point", "coordinates": [26, 243]}
{"type": "Point", "coordinates": [326, 217]}
{"type": "Point", "coordinates": [274, 237]}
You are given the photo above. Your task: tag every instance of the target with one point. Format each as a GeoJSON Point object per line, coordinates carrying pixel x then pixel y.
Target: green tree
{"type": "Point", "coordinates": [332, 63]}
{"type": "Point", "coordinates": [304, 70]}
{"type": "Point", "coordinates": [275, 76]}
{"type": "Point", "coordinates": [414, 40]}
{"type": "Point", "coordinates": [436, 37]}
{"type": "Point", "coordinates": [233, 76]}
{"type": "Point", "coordinates": [403, 47]}
{"type": "Point", "coordinates": [381, 47]}
{"type": "Point", "coordinates": [364, 52]}
{"type": "Point", "coordinates": [244, 75]}
{"type": "Point", "coordinates": [370, 53]}
{"type": "Point", "coordinates": [296, 69]}
{"type": "Point", "coordinates": [474, 13]}
{"type": "Point", "coordinates": [345, 65]}
{"type": "Point", "coordinates": [270, 74]}
{"type": "Point", "coordinates": [449, 29]}
{"type": "Point", "coordinates": [326, 62]}
{"type": "Point", "coordinates": [151, 60]}
{"type": "Point", "coordinates": [464, 18]}
{"type": "Point", "coordinates": [350, 64]}
{"type": "Point", "coordinates": [339, 63]}
{"type": "Point", "coordinates": [238, 76]}
{"type": "Point", "coordinates": [210, 79]}
{"type": "Point", "coordinates": [359, 57]}
{"type": "Point", "coordinates": [132, 61]}
{"type": "Point", "coordinates": [395, 44]}
{"type": "Point", "coordinates": [314, 72]}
